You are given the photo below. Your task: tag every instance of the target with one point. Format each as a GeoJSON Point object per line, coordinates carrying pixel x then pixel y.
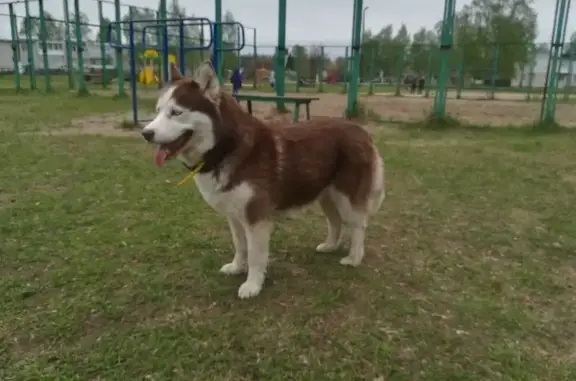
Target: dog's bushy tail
{"type": "Point", "coordinates": [377, 191]}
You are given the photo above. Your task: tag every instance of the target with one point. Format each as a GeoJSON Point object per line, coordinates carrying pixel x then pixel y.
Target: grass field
{"type": "Point", "coordinates": [110, 272]}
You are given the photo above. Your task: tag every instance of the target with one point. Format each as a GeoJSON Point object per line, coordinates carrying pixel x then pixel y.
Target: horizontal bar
{"type": "Point", "coordinates": [242, 42]}
{"type": "Point", "coordinates": [127, 46]}
{"type": "Point", "coordinates": [17, 2]}
{"type": "Point", "coordinates": [181, 23]}
{"type": "Point", "coordinates": [126, 5]}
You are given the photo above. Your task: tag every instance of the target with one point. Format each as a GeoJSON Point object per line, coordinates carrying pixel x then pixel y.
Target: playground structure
{"type": "Point", "coordinates": [149, 71]}
{"type": "Point", "coordinates": [445, 76]}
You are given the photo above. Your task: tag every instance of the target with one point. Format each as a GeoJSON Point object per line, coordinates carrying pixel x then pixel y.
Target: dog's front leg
{"type": "Point", "coordinates": [258, 242]}
{"type": "Point", "coordinates": [238, 264]}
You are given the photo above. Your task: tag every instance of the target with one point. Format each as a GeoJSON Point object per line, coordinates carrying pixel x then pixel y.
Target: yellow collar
{"type": "Point", "coordinates": [191, 174]}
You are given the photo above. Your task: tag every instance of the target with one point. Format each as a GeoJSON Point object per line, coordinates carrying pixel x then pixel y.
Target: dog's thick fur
{"type": "Point", "coordinates": [251, 170]}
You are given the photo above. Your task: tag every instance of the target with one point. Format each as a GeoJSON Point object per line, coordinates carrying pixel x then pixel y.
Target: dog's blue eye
{"type": "Point", "coordinates": [175, 113]}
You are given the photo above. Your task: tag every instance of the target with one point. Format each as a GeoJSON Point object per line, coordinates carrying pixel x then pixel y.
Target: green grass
{"type": "Point", "coordinates": [110, 272]}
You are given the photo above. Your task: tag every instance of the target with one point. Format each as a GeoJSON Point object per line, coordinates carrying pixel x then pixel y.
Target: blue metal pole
{"type": "Point", "coordinates": [181, 51]}
{"type": "Point", "coordinates": [164, 57]}
{"type": "Point", "coordinates": [133, 71]}
{"type": "Point", "coordinates": [217, 55]}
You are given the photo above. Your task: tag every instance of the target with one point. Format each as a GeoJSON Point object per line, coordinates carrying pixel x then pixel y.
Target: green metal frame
{"type": "Point", "coordinates": [43, 45]}
{"type": "Point", "coordinates": [548, 107]}
{"type": "Point", "coordinates": [103, 55]}
{"type": "Point", "coordinates": [15, 48]}
{"type": "Point", "coordinates": [30, 49]}
{"type": "Point", "coordinates": [439, 108]}
{"type": "Point", "coordinates": [82, 90]}
{"type": "Point", "coordinates": [68, 45]}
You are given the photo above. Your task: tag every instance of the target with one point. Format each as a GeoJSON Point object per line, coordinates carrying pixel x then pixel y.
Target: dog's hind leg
{"type": "Point", "coordinates": [354, 218]}
{"type": "Point", "coordinates": [335, 234]}
{"type": "Point", "coordinates": [239, 263]}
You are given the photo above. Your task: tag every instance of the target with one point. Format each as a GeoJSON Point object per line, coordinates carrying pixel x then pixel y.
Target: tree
{"type": "Point", "coordinates": [490, 30]}
{"type": "Point", "coordinates": [85, 29]}
{"type": "Point", "coordinates": [103, 31]}
{"type": "Point", "coordinates": [230, 31]}
{"type": "Point", "coordinates": [140, 14]}
{"type": "Point", "coordinates": [30, 26]}
{"type": "Point", "coordinates": [54, 29]}
{"type": "Point", "coordinates": [424, 44]}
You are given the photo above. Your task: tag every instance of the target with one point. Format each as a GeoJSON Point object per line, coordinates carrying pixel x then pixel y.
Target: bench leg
{"type": "Point", "coordinates": [249, 104]}
{"type": "Point", "coordinates": [296, 114]}
{"type": "Point", "coordinates": [307, 111]}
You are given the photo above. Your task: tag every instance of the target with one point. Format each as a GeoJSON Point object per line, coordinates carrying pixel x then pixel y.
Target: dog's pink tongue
{"type": "Point", "coordinates": [160, 156]}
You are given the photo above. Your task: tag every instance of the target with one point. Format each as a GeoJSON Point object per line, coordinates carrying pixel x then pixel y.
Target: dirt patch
{"type": "Point", "coordinates": [569, 179]}
{"type": "Point", "coordinates": [484, 112]}
{"type": "Point", "coordinates": [102, 125]}
{"type": "Point", "coordinates": [409, 108]}
{"type": "Point", "coordinates": [522, 220]}
{"type": "Point", "coordinates": [329, 105]}
{"type": "Point", "coordinates": [7, 200]}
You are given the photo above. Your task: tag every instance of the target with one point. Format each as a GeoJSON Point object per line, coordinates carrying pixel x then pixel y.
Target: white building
{"type": "Point", "coordinates": [56, 53]}
{"type": "Point", "coordinates": [538, 72]}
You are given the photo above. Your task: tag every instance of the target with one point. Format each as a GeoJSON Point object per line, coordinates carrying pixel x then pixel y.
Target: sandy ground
{"type": "Point", "coordinates": [499, 112]}
{"type": "Point", "coordinates": [408, 108]}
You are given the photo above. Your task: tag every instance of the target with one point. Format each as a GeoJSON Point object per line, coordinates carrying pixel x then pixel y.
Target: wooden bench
{"type": "Point", "coordinates": [296, 101]}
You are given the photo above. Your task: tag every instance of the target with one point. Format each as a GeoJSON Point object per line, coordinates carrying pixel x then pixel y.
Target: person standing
{"type": "Point", "coordinates": [272, 78]}
{"type": "Point", "coordinates": [236, 80]}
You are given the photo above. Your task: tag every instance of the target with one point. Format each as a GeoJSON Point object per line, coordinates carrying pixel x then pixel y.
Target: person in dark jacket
{"type": "Point", "coordinates": [421, 84]}
{"type": "Point", "coordinates": [236, 80]}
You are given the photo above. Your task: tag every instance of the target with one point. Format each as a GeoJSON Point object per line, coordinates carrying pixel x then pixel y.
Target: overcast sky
{"type": "Point", "coordinates": [313, 21]}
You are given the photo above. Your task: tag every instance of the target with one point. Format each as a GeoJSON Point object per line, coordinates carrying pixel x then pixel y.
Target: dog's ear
{"type": "Point", "coordinates": [175, 74]}
{"type": "Point", "coordinates": [206, 77]}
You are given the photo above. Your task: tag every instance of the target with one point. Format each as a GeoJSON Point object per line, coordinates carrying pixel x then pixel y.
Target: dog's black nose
{"type": "Point", "coordinates": [148, 135]}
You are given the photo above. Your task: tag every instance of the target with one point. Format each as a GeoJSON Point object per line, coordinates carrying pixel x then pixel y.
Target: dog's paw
{"type": "Point", "coordinates": [326, 247]}
{"type": "Point", "coordinates": [350, 261]}
{"type": "Point", "coordinates": [233, 268]}
{"type": "Point", "coordinates": [249, 290]}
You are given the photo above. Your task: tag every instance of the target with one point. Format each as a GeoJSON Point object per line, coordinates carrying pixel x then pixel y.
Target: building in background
{"type": "Point", "coordinates": [56, 53]}
{"type": "Point", "coordinates": [538, 71]}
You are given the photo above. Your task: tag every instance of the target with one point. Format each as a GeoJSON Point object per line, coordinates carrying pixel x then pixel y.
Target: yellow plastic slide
{"type": "Point", "coordinates": [147, 76]}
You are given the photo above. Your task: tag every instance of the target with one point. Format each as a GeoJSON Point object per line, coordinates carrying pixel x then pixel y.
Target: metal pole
{"type": "Point", "coordinates": [346, 70]}
{"type": "Point", "coordinates": [493, 77]}
{"type": "Point", "coordinates": [568, 83]}
{"type": "Point", "coordinates": [119, 53]}
{"type": "Point", "coordinates": [103, 55]}
{"type": "Point", "coordinates": [429, 72]}
{"type": "Point", "coordinates": [30, 47]}
{"type": "Point", "coordinates": [44, 47]}
{"type": "Point", "coordinates": [68, 44]}
{"type": "Point", "coordinates": [362, 37]}
{"type": "Point", "coordinates": [163, 11]}
{"type": "Point", "coordinates": [82, 90]}
{"type": "Point", "coordinates": [363, 19]}
{"type": "Point", "coordinates": [548, 111]}
{"type": "Point", "coordinates": [255, 59]}
{"type": "Point", "coordinates": [15, 48]}
{"type": "Point", "coordinates": [280, 54]}
{"type": "Point", "coordinates": [132, 64]}
{"type": "Point", "coordinates": [321, 71]}
{"type": "Point", "coordinates": [202, 42]}
{"type": "Point", "coordinates": [352, 107]}
{"type": "Point", "coordinates": [371, 71]}
{"type": "Point", "coordinates": [217, 51]}
{"type": "Point", "coordinates": [439, 109]}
